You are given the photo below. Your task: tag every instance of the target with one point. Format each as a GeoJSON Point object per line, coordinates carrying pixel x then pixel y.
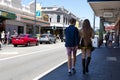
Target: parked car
{"type": "Point", "coordinates": [47, 38]}
{"type": "Point", "coordinates": [25, 39]}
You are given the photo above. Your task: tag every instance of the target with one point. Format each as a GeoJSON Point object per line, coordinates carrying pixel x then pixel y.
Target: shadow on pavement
{"type": "Point", "coordinates": [105, 65]}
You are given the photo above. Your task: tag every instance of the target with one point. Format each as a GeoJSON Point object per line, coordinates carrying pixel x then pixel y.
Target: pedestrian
{"type": "Point", "coordinates": [8, 37]}
{"type": "Point", "coordinates": [0, 41]}
{"type": "Point", "coordinates": [61, 37]}
{"type": "Point", "coordinates": [86, 33]}
{"type": "Point", "coordinates": [110, 39]}
{"type": "Point", "coordinates": [71, 44]}
{"type": "Point", "coordinates": [116, 41]}
{"type": "Point", "coordinates": [3, 37]}
{"type": "Point", "coordinates": [15, 33]}
{"type": "Point", "coordinates": [106, 39]}
{"type": "Point", "coordinates": [0, 37]}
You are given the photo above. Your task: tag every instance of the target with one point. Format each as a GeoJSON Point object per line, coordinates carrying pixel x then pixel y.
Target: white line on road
{"type": "Point", "coordinates": [41, 75]}
{"type": "Point", "coordinates": [9, 53]}
{"type": "Point", "coordinates": [28, 54]}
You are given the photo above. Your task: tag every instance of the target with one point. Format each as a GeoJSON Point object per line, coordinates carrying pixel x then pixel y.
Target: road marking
{"type": "Point", "coordinates": [9, 53]}
{"type": "Point", "coordinates": [45, 73]}
{"type": "Point", "coordinates": [41, 75]}
{"type": "Point", "coordinates": [28, 54]}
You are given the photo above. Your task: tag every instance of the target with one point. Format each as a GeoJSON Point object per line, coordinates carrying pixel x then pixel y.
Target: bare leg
{"type": "Point", "coordinates": [74, 58]}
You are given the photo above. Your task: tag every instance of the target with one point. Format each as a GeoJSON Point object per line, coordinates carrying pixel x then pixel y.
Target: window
{"type": "Point", "coordinates": [64, 20]}
{"type": "Point", "coordinates": [58, 18]}
{"type": "Point", "coordinates": [50, 19]}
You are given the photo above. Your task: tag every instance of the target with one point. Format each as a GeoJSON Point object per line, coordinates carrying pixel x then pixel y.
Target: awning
{"type": "Point", "coordinates": [109, 9]}
{"type": "Point", "coordinates": [7, 15]}
{"type": "Point", "coordinates": [109, 27]}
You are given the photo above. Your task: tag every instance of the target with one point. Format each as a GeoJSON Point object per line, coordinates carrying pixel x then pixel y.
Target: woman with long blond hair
{"type": "Point", "coordinates": [86, 34]}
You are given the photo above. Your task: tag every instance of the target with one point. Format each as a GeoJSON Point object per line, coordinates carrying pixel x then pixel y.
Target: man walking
{"type": "Point", "coordinates": [71, 44]}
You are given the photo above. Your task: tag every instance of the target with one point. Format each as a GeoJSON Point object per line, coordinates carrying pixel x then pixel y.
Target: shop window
{"type": "Point", "coordinates": [20, 29]}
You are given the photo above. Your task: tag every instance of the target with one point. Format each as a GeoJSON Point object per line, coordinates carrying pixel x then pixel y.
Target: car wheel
{"type": "Point", "coordinates": [28, 44]}
{"type": "Point", "coordinates": [37, 43]}
{"type": "Point", "coordinates": [40, 42]}
{"type": "Point", "coordinates": [50, 42]}
{"type": "Point", "coordinates": [15, 45]}
{"type": "Point", "coordinates": [54, 42]}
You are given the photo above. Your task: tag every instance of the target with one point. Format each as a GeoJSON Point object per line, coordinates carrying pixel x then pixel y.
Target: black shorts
{"type": "Point", "coordinates": [82, 44]}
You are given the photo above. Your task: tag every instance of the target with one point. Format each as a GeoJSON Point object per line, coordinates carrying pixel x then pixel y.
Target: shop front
{"type": "Point", "coordinates": [4, 15]}
{"type": "Point", "coordinates": [32, 26]}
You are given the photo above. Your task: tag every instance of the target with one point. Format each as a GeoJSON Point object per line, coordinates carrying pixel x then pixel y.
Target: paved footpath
{"type": "Point", "coordinates": [105, 65]}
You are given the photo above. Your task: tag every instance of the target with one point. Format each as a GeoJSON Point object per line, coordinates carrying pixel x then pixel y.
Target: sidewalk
{"type": "Point", "coordinates": [105, 65]}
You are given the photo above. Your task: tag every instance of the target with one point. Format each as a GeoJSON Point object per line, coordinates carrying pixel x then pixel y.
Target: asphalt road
{"type": "Point", "coordinates": [28, 63]}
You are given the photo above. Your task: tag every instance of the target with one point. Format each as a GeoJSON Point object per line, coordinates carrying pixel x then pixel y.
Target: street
{"type": "Point", "coordinates": [28, 63]}
{"type": "Point", "coordinates": [25, 63]}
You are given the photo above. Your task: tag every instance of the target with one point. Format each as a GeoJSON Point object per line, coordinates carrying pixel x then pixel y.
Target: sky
{"type": "Point", "coordinates": [80, 8]}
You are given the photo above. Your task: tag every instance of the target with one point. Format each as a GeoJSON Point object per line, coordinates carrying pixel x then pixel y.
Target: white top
{"type": "Point", "coordinates": [2, 35]}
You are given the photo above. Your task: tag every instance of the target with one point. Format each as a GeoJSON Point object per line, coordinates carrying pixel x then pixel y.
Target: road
{"type": "Point", "coordinates": [29, 63]}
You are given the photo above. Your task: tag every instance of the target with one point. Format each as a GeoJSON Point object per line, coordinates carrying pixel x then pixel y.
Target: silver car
{"type": "Point", "coordinates": [47, 38]}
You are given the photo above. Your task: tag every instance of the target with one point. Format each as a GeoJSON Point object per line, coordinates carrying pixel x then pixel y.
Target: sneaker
{"type": "Point", "coordinates": [74, 71]}
{"type": "Point", "coordinates": [69, 73]}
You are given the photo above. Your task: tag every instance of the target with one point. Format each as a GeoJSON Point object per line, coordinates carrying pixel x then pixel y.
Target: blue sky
{"type": "Point", "coordinates": [80, 8]}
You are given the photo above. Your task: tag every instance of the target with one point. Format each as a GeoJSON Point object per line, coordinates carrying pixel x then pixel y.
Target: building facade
{"type": "Point", "coordinates": [23, 18]}
{"type": "Point", "coordinates": [59, 19]}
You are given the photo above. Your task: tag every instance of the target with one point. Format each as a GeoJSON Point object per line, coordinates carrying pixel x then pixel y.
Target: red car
{"type": "Point", "coordinates": [25, 39]}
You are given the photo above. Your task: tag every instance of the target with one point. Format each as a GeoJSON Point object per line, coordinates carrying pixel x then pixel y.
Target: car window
{"type": "Point", "coordinates": [42, 36]}
{"type": "Point", "coordinates": [30, 36]}
{"type": "Point", "coordinates": [22, 35]}
{"type": "Point", "coordinates": [51, 36]}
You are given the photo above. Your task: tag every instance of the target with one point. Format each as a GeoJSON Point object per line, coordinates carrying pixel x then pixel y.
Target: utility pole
{"type": "Point", "coordinates": [34, 27]}
{"type": "Point", "coordinates": [94, 21]}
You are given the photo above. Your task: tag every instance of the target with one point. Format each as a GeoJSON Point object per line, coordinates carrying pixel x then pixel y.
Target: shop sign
{"type": "Point", "coordinates": [7, 15]}
{"type": "Point", "coordinates": [4, 14]}
{"type": "Point", "coordinates": [38, 11]}
{"type": "Point", "coordinates": [107, 14]}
